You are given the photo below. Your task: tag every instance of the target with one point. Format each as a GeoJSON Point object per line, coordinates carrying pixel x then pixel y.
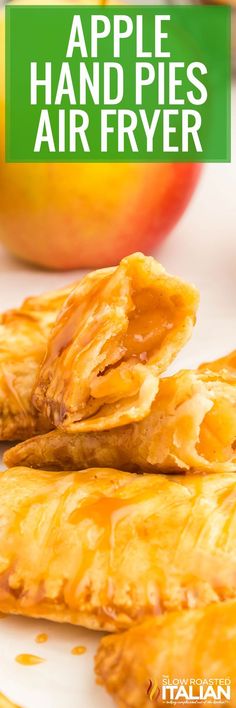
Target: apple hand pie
{"type": "Point", "coordinates": [23, 336]}
{"type": "Point", "coordinates": [105, 549]}
{"type": "Point", "coordinates": [190, 645]}
{"type": "Point", "coordinates": [191, 426]}
{"type": "Point", "coordinates": [117, 332]}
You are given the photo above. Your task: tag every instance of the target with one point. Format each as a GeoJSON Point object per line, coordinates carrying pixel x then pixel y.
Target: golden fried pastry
{"type": "Point", "coordinates": [6, 703]}
{"type": "Point", "coordinates": [105, 549]}
{"type": "Point", "coordinates": [191, 426]}
{"type": "Point", "coordinates": [118, 331]}
{"type": "Point", "coordinates": [23, 336]}
{"type": "Point", "coordinates": [226, 365]}
{"type": "Point", "coordinates": [196, 644]}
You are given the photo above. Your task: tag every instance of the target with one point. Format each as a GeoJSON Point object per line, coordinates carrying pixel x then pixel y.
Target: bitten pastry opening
{"type": "Point", "coordinates": [118, 331]}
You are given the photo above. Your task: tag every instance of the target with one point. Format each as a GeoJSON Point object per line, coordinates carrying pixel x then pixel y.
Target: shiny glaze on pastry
{"type": "Point", "coordinates": [105, 549]}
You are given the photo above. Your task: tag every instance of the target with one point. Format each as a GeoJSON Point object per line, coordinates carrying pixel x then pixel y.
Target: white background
{"type": "Point", "coordinates": [202, 249]}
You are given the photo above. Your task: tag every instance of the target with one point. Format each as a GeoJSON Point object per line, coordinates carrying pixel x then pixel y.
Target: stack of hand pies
{"type": "Point", "coordinates": [118, 510]}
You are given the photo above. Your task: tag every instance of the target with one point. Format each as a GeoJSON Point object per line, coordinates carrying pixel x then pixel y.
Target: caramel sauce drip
{"type": "Point", "coordinates": [41, 638]}
{"type": "Point", "coordinates": [100, 510]}
{"type": "Point", "coordinates": [76, 651]}
{"type": "Point", "coordinates": [148, 325]}
{"type": "Point", "coordinates": [28, 659]}
{"type": "Point", "coordinates": [106, 513]}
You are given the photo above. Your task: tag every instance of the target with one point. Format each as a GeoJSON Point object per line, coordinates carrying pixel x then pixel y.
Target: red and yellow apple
{"type": "Point", "coordinates": [66, 216]}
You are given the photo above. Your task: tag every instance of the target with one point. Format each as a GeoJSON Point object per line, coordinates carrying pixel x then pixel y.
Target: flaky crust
{"type": "Point", "coordinates": [226, 365]}
{"type": "Point", "coordinates": [23, 337]}
{"type": "Point", "coordinates": [197, 644]}
{"type": "Point", "coordinates": [191, 426]}
{"type": "Point", "coordinates": [105, 549]}
{"type": "Point", "coordinates": [117, 332]}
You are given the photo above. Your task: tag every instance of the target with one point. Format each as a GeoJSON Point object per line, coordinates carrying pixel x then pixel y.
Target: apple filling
{"type": "Point", "coordinates": [217, 439]}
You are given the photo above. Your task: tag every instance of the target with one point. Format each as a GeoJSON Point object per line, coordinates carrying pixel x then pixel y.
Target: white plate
{"type": "Point", "coordinates": [63, 680]}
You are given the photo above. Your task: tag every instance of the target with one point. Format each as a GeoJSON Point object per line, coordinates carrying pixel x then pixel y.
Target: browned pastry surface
{"type": "Point", "coordinates": [191, 426]}
{"type": "Point", "coordinates": [105, 549]}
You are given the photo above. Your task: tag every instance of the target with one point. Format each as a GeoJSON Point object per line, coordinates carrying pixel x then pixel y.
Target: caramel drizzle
{"type": "Point", "coordinates": [28, 659]}
{"type": "Point", "coordinates": [41, 638]}
{"type": "Point", "coordinates": [77, 651]}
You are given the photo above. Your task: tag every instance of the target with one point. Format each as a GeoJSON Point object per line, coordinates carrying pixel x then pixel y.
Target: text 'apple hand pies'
{"type": "Point", "coordinates": [191, 426]}
{"type": "Point", "coordinates": [197, 646]}
{"type": "Point", "coordinates": [118, 331]}
{"type": "Point", "coordinates": [105, 549]}
{"type": "Point", "coordinates": [23, 337]}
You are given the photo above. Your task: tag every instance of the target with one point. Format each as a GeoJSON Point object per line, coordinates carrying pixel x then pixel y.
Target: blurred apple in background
{"type": "Point", "coordinates": [65, 216]}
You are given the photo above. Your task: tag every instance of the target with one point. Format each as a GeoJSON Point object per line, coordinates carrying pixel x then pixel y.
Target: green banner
{"type": "Point", "coordinates": [117, 84]}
